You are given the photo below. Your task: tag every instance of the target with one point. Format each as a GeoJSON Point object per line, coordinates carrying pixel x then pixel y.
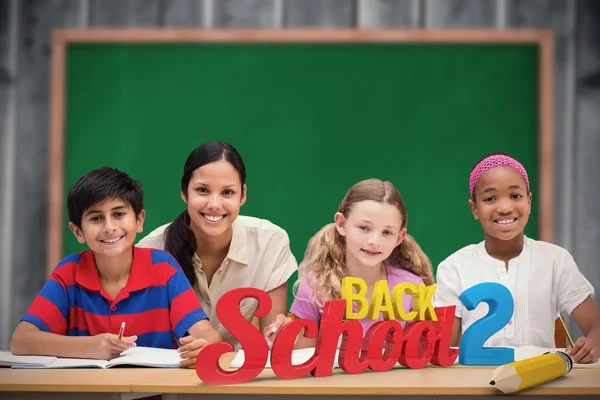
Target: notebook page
{"type": "Point", "coordinates": [299, 356]}
{"type": "Point", "coordinates": [147, 357]}
{"type": "Point", "coordinates": [7, 359]}
{"type": "Point", "coordinates": [68, 363]}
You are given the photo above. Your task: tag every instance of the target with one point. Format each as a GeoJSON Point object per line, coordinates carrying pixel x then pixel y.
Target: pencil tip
{"type": "Point", "coordinates": [492, 382]}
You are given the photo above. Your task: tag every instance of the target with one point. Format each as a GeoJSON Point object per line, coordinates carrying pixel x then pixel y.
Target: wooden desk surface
{"type": "Point", "coordinates": [451, 381]}
{"type": "Point", "coordinates": [79, 380]}
{"type": "Point", "coordinates": [398, 381]}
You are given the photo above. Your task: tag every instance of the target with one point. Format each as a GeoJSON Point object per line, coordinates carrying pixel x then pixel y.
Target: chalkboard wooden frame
{"type": "Point", "coordinates": [61, 38]}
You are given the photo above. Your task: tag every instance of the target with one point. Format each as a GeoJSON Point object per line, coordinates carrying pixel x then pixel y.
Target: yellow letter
{"type": "Point", "coordinates": [397, 294]}
{"type": "Point", "coordinates": [381, 302]}
{"type": "Point", "coordinates": [348, 284]}
{"type": "Point", "coordinates": [423, 304]}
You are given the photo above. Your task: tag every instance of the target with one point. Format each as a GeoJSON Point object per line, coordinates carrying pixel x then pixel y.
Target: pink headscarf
{"type": "Point", "coordinates": [496, 160]}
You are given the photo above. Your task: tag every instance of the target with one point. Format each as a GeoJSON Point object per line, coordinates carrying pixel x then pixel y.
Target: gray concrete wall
{"type": "Point", "coordinates": [25, 28]}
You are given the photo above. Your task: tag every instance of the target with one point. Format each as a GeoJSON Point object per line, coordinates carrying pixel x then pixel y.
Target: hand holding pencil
{"type": "Point", "coordinates": [106, 346]}
{"type": "Point", "coordinates": [583, 350]}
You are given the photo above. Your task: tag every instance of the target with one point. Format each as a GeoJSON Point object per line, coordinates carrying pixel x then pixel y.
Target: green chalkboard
{"type": "Point", "coordinates": [310, 120]}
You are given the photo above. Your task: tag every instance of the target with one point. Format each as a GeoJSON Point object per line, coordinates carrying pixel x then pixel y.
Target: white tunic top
{"type": "Point", "coordinates": [259, 256]}
{"type": "Point", "coordinates": [543, 280]}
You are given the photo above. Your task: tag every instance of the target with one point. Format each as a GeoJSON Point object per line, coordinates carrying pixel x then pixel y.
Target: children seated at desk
{"type": "Point", "coordinates": [79, 311]}
{"type": "Point", "coordinates": [542, 277]}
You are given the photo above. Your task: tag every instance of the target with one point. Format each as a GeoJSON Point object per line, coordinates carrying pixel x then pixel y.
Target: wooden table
{"type": "Point", "coordinates": [113, 383]}
{"type": "Point", "coordinates": [130, 383]}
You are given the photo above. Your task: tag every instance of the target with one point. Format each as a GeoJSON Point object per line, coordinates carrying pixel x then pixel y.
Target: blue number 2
{"type": "Point", "coordinates": [501, 305]}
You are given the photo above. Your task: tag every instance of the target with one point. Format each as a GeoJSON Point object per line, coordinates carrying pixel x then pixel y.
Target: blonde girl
{"type": "Point", "coordinates": [368, 240]}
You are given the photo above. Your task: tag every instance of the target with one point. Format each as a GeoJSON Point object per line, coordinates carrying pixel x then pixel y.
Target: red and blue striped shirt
{"type": "Point", "coordinates": [157, 303]}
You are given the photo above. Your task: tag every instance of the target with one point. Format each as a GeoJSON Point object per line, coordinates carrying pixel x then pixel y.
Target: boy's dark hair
{"type": "Point", "coordinates": [99, 185]}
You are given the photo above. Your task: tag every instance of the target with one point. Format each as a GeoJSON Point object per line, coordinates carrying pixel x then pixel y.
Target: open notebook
{"type": "Point", "coordinates": [300, 356]}
{"type": "Point", "coordinates": [135, 356]}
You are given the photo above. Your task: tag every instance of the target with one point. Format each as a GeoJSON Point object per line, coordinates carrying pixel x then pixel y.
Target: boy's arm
{"type": "Point", "coordinates": [44, 328]}
{"type": "Point", "coordinates": [28, 339]}
{"type": "Point", "coordinates": [200, 334]}
{"type": "Point", "coordinates": [186, 313]}
{"type": "Point", "coordinates": [204, 330]}
{"type": "Point", "coordinates": [187, 316]}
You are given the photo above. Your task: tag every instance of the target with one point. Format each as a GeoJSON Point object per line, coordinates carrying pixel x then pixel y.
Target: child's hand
{"type": "Point", "coordinates": [189, 350]}
{"type": "Point", "coordinates": [583, 351]}
{"type": "Point", "coordinates": [106, 346]}
{"type": "Point", "coordinates": [274, 327]}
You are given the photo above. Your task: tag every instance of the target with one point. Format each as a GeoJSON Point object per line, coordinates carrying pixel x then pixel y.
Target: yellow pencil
{"type": "Point", "coordinates": [532, 371]}
{"type": "Point", "coordinates": [564, 326]}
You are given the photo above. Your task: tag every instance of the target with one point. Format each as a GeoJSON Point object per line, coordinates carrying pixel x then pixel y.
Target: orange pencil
{"type": "Point", "coordinates": [122, 330]}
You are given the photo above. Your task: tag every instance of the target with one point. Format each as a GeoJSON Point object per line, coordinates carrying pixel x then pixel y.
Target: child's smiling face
{"type": "Point", "coordinates": [109, 228]}
{"type": "Point", "coordinates": [502, 203]}
{"type": "Point", "coordinates": [372, 231]}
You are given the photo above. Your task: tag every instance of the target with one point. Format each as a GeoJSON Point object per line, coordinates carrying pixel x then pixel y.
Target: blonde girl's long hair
{"type": "Point", "coordinates": [324, 263]}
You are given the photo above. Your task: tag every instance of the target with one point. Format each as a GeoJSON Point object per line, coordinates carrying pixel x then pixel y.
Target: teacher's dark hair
{"type": "Point", "coordinates": [179, 238]}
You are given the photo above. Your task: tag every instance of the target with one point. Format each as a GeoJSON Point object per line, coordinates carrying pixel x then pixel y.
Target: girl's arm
{"type": "Point", "coordinates": [575, 295]}
{"type": "Point", "coordinates": [279, 322]}
{"type": "Point", "coordinates": [278, 305]}
{"type": "Point", "coordinates": [28, 339]}
{"type": "Point", "coordinates": [279, 272]}
{"type": "Point", "coordinates": [587, 348]}
{"type": "Point", "coordinates": [277, 318]}
{"type": "Point", "coordinates": [456, 331]}
{"type": "Point", "coordinates": [303, 307]}
{"type": "Point", "coordinates": [448, 289]}
{"type": "Point", "coordinates": [304, 342]}
{"type": "Point", "coordinates": [272, 323]}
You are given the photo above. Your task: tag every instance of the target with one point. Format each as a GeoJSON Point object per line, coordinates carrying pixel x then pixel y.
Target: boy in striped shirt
{"type": "Point", "coordinates": [80, 310]}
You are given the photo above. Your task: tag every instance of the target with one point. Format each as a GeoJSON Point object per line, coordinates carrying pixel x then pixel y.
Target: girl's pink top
{"type": "Point", "coordinates": [305, 307]}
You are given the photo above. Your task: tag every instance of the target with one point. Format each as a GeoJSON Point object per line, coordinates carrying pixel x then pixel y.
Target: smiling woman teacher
{"type": "Point", "coordinates": [219, 250]}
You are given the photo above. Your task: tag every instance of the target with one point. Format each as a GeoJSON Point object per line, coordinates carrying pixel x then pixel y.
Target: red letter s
{"type": "Point", "coordinates": [252, 340]}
